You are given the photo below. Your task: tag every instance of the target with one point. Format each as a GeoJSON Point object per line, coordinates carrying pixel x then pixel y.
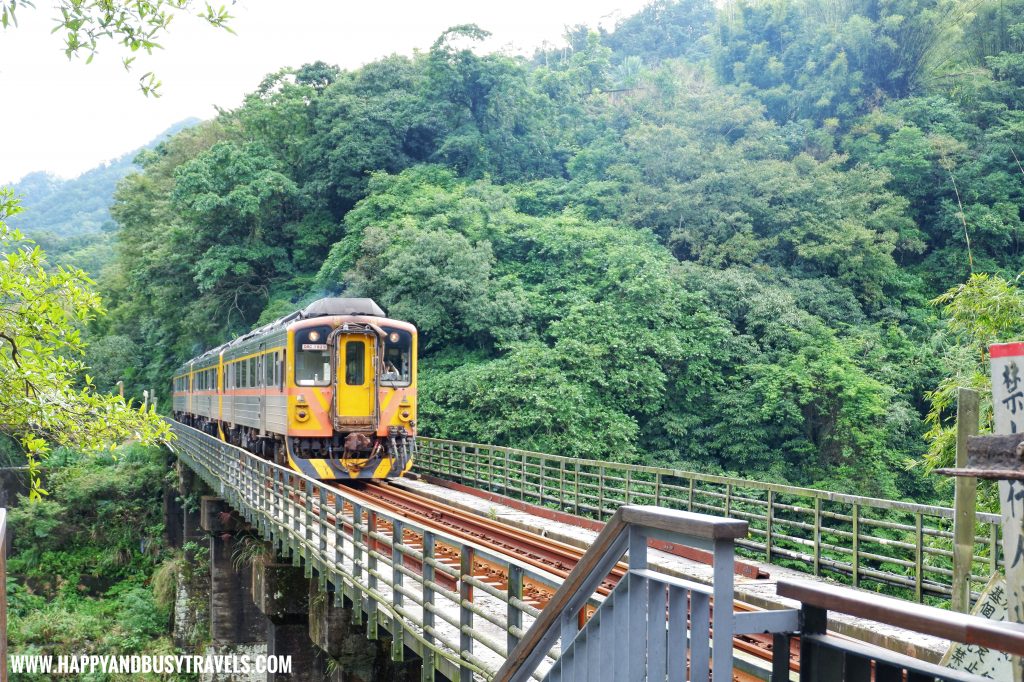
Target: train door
{"type": "Point", "coordinates": [261, 400]}
{"type": "Point", "coordinates": [355, 396]}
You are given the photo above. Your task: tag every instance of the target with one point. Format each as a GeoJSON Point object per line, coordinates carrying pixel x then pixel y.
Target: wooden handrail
{"type": "Point", "coordinates": [958, 627]}
{"type": "Point", "coordinates": [594, 565]}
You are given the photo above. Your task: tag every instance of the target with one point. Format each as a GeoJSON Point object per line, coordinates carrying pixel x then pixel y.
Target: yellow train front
{"type": "Point", "coordinates": [329, 390]}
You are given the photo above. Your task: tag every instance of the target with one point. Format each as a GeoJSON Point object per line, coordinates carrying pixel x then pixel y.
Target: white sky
{"type": "Point", "coordinates": [66, 117]}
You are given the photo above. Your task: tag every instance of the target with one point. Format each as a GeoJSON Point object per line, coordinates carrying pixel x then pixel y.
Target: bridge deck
{"type": "Point", "coordinates": [758, 592]}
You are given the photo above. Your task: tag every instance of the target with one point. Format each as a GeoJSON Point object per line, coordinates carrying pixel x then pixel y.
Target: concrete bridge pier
{"type": "Point", "coordinates": [190, 488]}
{"type": "Point", "coordinates": [236, 625]}
{"type": "Point", "coordinates": [355, 658]}
{"type": "Point", "coordinates": [281, 593]}
{"type": "Point", "coordinates": [174, 521]}
{"type": "Point", "coordinates": [191, 600]}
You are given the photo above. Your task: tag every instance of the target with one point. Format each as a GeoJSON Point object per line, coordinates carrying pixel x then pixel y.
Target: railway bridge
{"type": "Point", "coordinates": [636, 573]}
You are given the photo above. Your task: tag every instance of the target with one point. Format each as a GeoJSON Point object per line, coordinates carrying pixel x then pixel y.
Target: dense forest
{"type": "Point", "coordinates": [710, 238]}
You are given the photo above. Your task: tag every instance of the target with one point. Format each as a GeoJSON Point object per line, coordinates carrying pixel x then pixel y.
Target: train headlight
{"type": "Point", "coordinates": [405, 414]}
{"type": "Point", "coordinates": [314, 336]}
{"type": "Point", "coordinates": [393, 337]}
{"type": "Point", "coordinates": [301, 415]}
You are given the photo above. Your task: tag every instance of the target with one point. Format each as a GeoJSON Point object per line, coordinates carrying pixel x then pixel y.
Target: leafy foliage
{"type": "Point", "coordinates": [41, 399]}
{"type": "Point", "coordinates": [82, 559]}
{"type": "Point", "coordinates": [708, 238]}
{"type": "Point", "coordinates": [982, 311]}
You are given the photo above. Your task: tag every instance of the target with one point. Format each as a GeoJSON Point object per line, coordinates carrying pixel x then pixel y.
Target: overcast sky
{"type": "Point", "coordinates": [66, 117]}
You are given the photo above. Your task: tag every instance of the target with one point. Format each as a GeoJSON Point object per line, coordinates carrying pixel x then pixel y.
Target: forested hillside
{"type": "Point", "coordinates": [71, 218]}
{"type": "Point", "coordinates": [707, 239]}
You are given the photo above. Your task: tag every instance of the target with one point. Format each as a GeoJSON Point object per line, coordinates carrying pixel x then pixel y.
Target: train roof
{"type": "Point", "coordinates": [323, 307]}
{"type": "Point", "coordinates": [342, 306]}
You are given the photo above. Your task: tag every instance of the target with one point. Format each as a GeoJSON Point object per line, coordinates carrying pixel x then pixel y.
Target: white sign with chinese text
{"type": "Point", "coordinates": [1008, 417]}
{"type": "Point", "coordinates": [974, 658]}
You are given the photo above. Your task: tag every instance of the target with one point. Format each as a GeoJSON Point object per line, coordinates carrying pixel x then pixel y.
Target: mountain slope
{"type": "Point", "coordinates": [64, 209]}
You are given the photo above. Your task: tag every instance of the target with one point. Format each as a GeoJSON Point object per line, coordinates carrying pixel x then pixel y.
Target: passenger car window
{"type": "Point", "coordinates": [396, 365]}
{"type": "Point", "coordinates": [312, 359]}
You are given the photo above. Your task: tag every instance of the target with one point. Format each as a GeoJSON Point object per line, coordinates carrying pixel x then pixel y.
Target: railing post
{"type": "Point", "coordinates": [280, 521]}
{"type": "Point", "coordinates": [397, 598]}
{"type": "Point", "coordinates": [321, 530]}
{"type": "Point", "coordinates": [357, 563]}
{"type": "Point", "coordinates": [568, 627]}
{"type": "Point", "coordinates": [817, 535]}
{"type": "Point", "coordinates": [428, 604]}
{"type": "Point", "coordinates": [294, 514]}
{"type": "Point", "coordinates": [371, 572]}
{"type": "Point", "coordinates": [576, 495]}
{"type": "Point", "coordinates": [339, 544]}
{"type": "Point", "coordinates": [522, 479]}
{"type": "Point", "coordinates": [543, 478]}
{"type": "Point", "coordinates": [965, 501]}
{"type": "Point", "coordinates": [993, 548]}
{"type": "Point", "coordinates": [308, 521]}
{"type": "Point", "coordinates": [855, 560]}
{"type": "Point", "coordinates": [561, 484]}
{"type": "Point", "coordinates": [722, 619]}
{"type": "Point", "coordinates": [780, 657]}
{"type": "Point", "coordinates": [813, 621]}
{"type": "Point", "coordinates": [428, 592]}
{"type": "Point", "coordinates": [465, 614]}
{"type": "Point", "coordinates": [507, 467]}
{"type": "Point", "coordinates": [768, 527]}
{"type": "Point", "coordinates": [639, 599]}
{"type": "Point", "coordinates": [514, 616]}
{"type": "Point", "coordinates": [918, 558]}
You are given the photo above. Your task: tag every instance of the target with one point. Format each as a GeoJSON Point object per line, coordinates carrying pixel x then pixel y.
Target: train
{"type": "Point", "coordinates": [329, 391]}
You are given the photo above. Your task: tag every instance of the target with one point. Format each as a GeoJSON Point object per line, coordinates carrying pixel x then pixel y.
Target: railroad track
{"type": "Point", "coordinates": [554, 557]}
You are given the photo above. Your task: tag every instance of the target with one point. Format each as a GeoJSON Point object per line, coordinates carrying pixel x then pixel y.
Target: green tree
{"type": "Point", "coordinates": [664, 29]}
{"type": "Point", "coordinates": [817, 59]}
{"type": "Point", "coordinates": [983, 310]}
{"type": "Point", "coordinates": [44, 397]}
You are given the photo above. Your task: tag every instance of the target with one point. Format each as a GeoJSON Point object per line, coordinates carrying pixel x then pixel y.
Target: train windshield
{"type": "Point", "coordinates": [312, 359]}
{"type": "Point", "coordinates": [396, 365]}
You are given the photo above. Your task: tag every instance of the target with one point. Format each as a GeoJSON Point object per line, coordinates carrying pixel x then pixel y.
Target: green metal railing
{"type": "Point", "coordinates": [421, 584]}
{"type": "Point", "coordinates": [905, 546]}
